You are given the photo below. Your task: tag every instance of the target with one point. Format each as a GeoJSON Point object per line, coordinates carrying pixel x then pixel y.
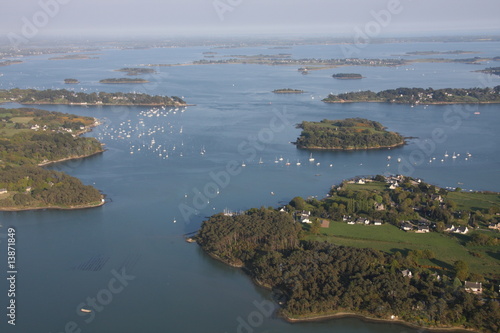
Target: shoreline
{"type": "Point", "coordinates": [352, 149]}
{"type": "Point", "coordinates": [101, 104]}
{"type": "Point", "coordinates": [339, 315]}
{"type": "Point", "coordinates": [70, 158]}
{"type": "Point", "coordinates": [24, 209]}
{"type": "Point", "coordinates": [413, 104]}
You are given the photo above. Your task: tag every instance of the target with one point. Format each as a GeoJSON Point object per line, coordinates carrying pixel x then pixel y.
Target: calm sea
{"type": "Point", "coordinates": [164, 171]}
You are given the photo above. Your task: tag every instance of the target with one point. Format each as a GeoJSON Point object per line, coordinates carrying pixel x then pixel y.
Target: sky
{"type": "Point", "coordinates": [170, 18]}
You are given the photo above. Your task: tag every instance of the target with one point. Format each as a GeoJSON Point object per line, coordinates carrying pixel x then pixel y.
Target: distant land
{"type": "Point", "coordinates": [347, 76]}
{"type": "Point", "coordinates": [421, 96]}
{"type": "Point", "coordinates": [63, 96]}
{"type": "Point", "coordinates": [10, 62]}
{"type": "Point", "coordinates": [74, 57]}
{"type": "Point", "coordinates": [123, 81]}
{"type": "Point", "coordinates": [136, 71]}
{"type": "Point", "coordinates": [347, 134]}
{"type": "Point", "coordinates": [288, 91]}
{"type": "Point", "coordinates": [490, 70]}
{"type": "Point", "coordinates": [440, 52]}
{"type": "Point", "coordinates": [308, 64]}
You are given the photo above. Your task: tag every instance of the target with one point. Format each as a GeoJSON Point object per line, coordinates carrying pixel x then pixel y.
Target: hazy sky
{"type": "Point", "coordinates": [173, 17]}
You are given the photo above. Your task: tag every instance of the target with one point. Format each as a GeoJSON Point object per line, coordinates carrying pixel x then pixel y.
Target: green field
{"type": "Point", "coordinates": [389, 238]}
{"type": "Point", "coordinates": [475, 200]}
{"type": "Point", "coordinates": [371, 186]}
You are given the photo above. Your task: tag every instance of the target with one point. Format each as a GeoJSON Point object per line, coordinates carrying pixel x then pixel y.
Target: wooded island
{"type": "Point", "coordinates": [347, 134]}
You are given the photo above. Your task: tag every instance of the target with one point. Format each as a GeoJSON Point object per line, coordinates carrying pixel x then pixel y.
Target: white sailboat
{"type": "Point", "coordinates": [311, 158]}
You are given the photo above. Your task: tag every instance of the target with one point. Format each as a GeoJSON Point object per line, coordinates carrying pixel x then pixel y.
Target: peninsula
{"type": "Point", "coordinates": [423, 278]}
{"type": "Point", "coordinates": [30, 138]}
{"type": "Point", "coordinates": [421, 96]}
{"type": "Point", "coordinates": [67, 97]}
{"type": "Point", "coordinates": [347, 134]}
{"type": "Point", "coordinates": [490, 70]}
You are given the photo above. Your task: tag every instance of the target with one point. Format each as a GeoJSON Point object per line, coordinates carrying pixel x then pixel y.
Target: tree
{"type": "Point", "coordinates": [315, 227]}
{"type": "Point", "coordinates": [298, 203]}
{"type": "Point", "coordinates": [461, 270]}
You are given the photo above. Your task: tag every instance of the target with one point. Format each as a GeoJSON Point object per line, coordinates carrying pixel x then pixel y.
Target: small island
{"type": "Point", "coordinates": [288, 91]}
{"type": "Point", "coordinates": [347, 76]}
{"type": "Point", "coordinates": [32, 138]}
{"type": "Point", "coordinates": [136, 71]}
{"type": "Point", "coordinates": [67, 97]}
{"type": "Point", "coordinates": [123, 81]}
{"type": "Point", "coordinates": [347, 134]}
{"type": "Point", "coordinates": [390, 248]}
{"type": "Point", "coordinates": [71, 81]}
{"type": "Point", "coordinates": [416, 96]}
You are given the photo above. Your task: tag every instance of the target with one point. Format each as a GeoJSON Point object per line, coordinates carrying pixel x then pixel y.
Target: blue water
{"type": "Point", "coordinates": [66, 257]}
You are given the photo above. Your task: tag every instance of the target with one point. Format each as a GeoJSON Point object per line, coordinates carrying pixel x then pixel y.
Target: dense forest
{"type": "Point", "coordinates": [36, 187]}
{"type": "Point", "coordinates": [63, 96]}
{"type": "Point", "coordinates": [315, 279]}
{"type": "Point", "coordinates": [347, 76]}
{"type": "Point", "coordinates": [31, 137]}
{"type": "Point", "coordinates": [39, 147]}
{"type": "Point", "coordinates": [421, 96]}
{"type": "Point", "coordinates": [351, 133]}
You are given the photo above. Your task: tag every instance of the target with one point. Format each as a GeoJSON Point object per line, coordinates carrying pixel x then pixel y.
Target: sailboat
{"type": "Point", "coordinates": [243, 164]}
{"type": "Point", "coordinates": [260, 161]}
{"type": "Point", "coordinates": [311, 158]}
{"type": "Point", "coordinates": [298, 162]}
{"type": "Point", "coordinates": [287, 162]}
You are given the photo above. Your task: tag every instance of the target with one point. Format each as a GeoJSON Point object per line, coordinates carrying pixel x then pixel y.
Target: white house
{"type": "Point", "coordinates": [473, 287]}
{"type": "Point", "coordinates": [407, 273]}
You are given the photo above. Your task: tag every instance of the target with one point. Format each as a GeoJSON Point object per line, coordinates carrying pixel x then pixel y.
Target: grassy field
{"type": "Point", "coordinates": [371, 186]}
{"type": "Point", "coordinates": [475, 201]}
{"type": "Point", "coordinates": [389, 238]}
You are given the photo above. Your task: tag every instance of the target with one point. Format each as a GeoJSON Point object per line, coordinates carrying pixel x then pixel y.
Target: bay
{"type": "Point", "coordinates": [67, 258]}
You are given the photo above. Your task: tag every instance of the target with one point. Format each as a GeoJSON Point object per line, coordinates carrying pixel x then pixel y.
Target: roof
{"type": "Point", "coordinates": [472, 285]}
